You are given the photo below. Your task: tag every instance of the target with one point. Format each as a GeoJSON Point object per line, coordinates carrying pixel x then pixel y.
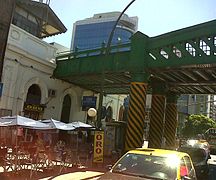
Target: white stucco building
{"type": "Point", "coordinates": [30, 61]}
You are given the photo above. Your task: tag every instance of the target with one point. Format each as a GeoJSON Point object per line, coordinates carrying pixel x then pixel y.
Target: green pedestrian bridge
{"type": "Point", "coordinates": [168, 65]}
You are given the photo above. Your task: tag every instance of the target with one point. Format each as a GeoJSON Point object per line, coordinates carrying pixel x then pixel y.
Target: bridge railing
{"type": "Point", "coordinates": [69, 55]}
{"type": "Point", "coordinates": [196, 41]}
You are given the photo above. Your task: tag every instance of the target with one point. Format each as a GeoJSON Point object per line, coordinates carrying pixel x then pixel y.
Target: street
{"type": "Point", "coordinates": [86, 173]}
{"type": "Point", "coordinates": [212, 167]}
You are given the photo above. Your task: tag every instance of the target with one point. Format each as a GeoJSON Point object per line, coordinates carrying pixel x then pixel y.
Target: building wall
{"type": "Point", "coordinates": [212, 107]}
{"type": "Point", "coordinates": [192, 104]}
{"type": "Point", "coordinates": [199, 104]}
{"type": "Point", "coordinates": [29, 60]}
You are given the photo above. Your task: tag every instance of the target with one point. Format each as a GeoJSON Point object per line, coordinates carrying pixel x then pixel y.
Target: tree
{"type": "Point", "coordinates": [197, 124]}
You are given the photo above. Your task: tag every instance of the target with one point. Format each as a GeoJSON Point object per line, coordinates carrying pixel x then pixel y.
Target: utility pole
{"type": "Point", "coordinates": [6, 15]}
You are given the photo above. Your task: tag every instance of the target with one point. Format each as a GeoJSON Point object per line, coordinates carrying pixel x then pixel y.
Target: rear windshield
{"type": "Point", "coordinates": [196, 154]}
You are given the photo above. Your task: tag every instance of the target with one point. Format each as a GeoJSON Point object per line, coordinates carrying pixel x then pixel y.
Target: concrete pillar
{"type": "Point", "coordinates": [136, 113]}
{"type": "Point", "coordinates": [170, 120]}
{"type": "Point", "coordinates": [157, 114]}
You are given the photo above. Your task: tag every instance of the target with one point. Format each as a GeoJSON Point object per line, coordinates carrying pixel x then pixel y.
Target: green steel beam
{"type": "Point", "coordinates": [188, 46]}
{"type": "Point", "coordinates": [146, 53]}
{"type": "Point", "coordinates": [114, 62]}
{"type": "Point", "coordinates": [193, 32]}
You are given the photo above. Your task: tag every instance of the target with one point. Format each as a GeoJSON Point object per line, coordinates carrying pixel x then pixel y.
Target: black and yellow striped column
{"type": "Point", "coordinates": [157, 114]}
{"type": "Point", "coordinates": [170, 120]}
{"type": "Point", "coordinates": [136, 116]}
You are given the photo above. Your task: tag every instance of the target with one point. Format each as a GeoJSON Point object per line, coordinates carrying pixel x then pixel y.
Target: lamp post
{"type": "Point", "coordinates": [107, 51]}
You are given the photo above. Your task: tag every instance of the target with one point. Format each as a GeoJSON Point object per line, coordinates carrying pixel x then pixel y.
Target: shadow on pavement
{"type": "Point", "coordinates": [46, 174]}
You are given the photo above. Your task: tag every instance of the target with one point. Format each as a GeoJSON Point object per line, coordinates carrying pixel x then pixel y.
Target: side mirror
{"type": "Point", "coordinates": [185, 178]}
{"type": "Point", "coordinates": [108, 167]}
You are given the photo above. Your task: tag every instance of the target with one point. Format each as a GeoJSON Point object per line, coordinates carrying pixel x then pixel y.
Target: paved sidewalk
{"type": "Point", "coordinates": [75, 173]}
{"type": "Point", "coordinates": [76, 176]}
{"type": "Point", "coordinates": [72, 173]}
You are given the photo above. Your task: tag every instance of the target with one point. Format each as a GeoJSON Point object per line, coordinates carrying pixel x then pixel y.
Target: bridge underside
{"type": "Point", "coordinates": [182, 80]}
{"type": "Point", "coordinates": [189, 79]}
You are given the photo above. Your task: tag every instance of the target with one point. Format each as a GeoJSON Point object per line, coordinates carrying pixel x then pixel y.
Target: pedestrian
{"type": "Point", "coordinates": [47, 139]}
{"type": "Point", "coordinates": [39, 143]}
{"type": "Point", "coordinates": [80, 136]}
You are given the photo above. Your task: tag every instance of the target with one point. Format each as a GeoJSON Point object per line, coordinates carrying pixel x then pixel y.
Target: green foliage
{"type": "Point", "coordinates": [197, 124]}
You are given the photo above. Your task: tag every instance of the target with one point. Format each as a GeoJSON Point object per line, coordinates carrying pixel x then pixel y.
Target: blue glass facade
{"type": "Point", "coordinates": [90, 36]}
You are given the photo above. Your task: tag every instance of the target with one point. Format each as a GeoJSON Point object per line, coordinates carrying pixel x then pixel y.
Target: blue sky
{"type": "Point", "coordinates": [155, 16]}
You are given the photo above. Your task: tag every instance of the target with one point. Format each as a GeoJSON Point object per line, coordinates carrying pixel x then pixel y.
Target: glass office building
{"type": "Point", "coordinates": [90, 33]}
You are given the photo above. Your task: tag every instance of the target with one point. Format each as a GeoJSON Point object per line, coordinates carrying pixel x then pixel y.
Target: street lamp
{"type": "Point", "coordinates": [114, 27]}
{"type": "Point", "coordinates": [107, 51]}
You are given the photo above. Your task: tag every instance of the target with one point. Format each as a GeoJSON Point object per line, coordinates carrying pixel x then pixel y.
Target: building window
{"type": "Point", "coordinates": [32, 107]}
{"type": "Point", "coordinates": [34, 95]}
{"type": "Point", "coordinates": [25, 24]}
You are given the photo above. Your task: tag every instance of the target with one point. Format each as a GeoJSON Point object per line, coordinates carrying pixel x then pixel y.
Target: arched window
{"type": "Point", "coordinates": [34, 94]}
{"type": "Point", "coordinates": [32, 107]}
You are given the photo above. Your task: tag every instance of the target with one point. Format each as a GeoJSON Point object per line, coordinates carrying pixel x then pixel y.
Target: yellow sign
{"type": "Point", "coordinates": [98, 146]}
{"type": "Point", "coordinates": [33, 107]}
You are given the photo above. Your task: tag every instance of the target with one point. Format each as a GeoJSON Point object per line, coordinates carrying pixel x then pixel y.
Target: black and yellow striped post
{"type": "Point", "coordinates": [170, 119]}
{"type": "Point", "coordinates": [136, 115]}
{"type": "Point", "coordinates": [157, 114]}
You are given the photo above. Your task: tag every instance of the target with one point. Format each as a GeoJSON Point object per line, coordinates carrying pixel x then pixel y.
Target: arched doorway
{"type": "Point", "coordinates": [32, 107]}
{"type": "Point", "coordinates": [65, 114]}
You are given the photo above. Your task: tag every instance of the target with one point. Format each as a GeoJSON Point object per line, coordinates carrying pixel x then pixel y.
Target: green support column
{"type": "Point", "coordinates": [157, 114]}
{"type": "Point", "coordinates": [136, 113]}
{"type": "Point", "coordinates": [170, 120]}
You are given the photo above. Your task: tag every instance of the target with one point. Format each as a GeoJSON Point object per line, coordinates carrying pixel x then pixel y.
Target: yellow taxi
{"type": "Point", "coordinates": [147, 163]}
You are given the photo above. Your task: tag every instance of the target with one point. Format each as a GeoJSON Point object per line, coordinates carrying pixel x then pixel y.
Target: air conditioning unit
{"type": "Point", "coordinates": [52, 93]}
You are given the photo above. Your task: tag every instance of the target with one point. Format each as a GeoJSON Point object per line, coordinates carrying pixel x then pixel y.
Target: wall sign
{"type": "Point", "coordinates": [98, 147]}
{"type": "Point", "coordinates": [33, 107]}
{"type": "Point", "coordinates": [88, 102]}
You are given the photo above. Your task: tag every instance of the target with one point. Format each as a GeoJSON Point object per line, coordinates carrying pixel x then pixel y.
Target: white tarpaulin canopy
{"type": "Point", "coordinates": [55, 124]}
{"type": "Point", "coordinates": [22, 121]}
{"type": "Point", "coordinates": [78, 124]}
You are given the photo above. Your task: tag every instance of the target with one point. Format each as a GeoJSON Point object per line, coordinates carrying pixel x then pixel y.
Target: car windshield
{"type": "Point", "coordinates": [212, 141]}
{"type": "Point", "coordinates": [146, 166]}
